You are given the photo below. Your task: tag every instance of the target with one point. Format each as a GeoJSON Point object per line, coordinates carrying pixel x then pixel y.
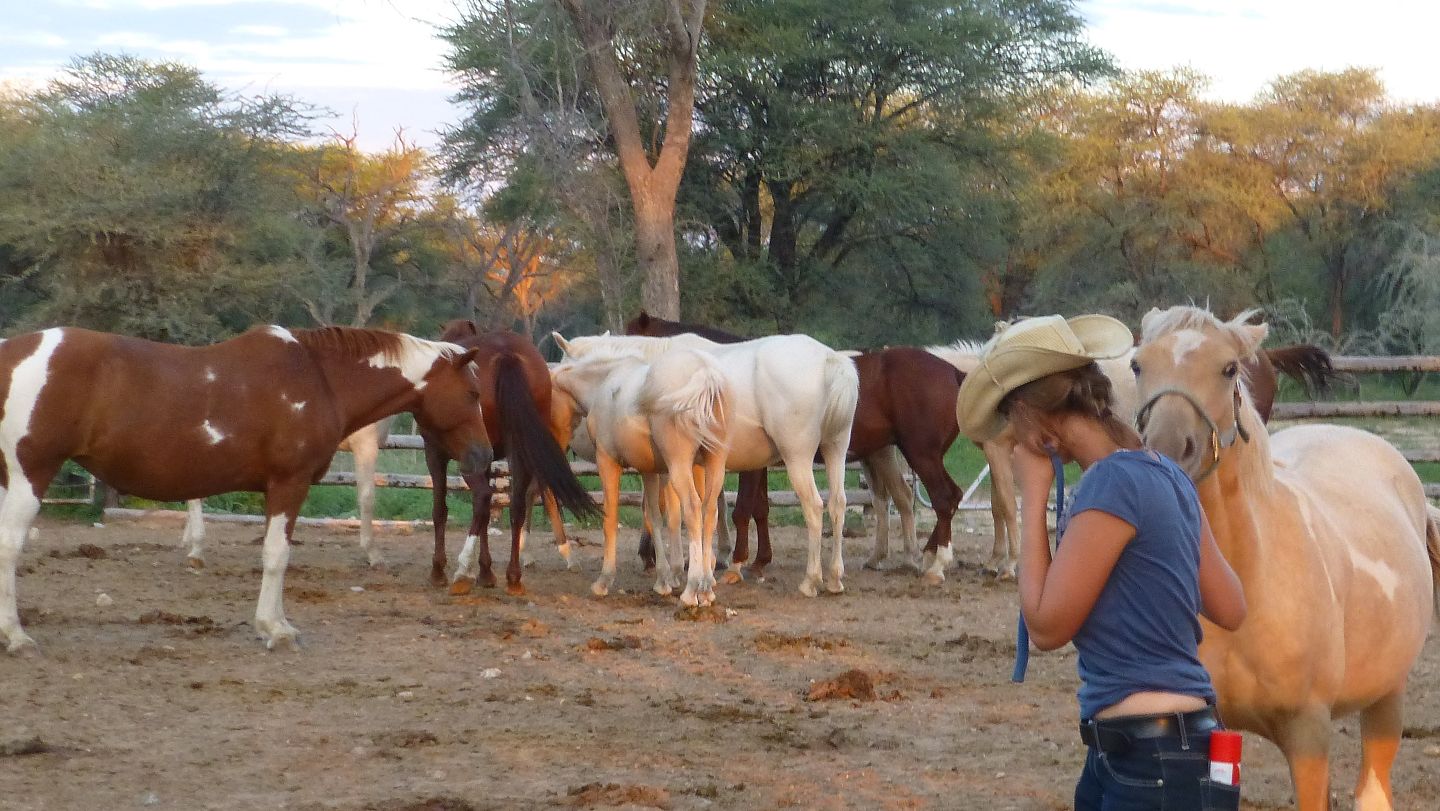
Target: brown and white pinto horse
{"type": "Point", "coordinates": [261, 412]}
{"type": "Point", "coordinates": [515, 397]}
{"type": "Point", "coordinates": [1327, 528]}
{"type": "Point", "coordinates": [907, 401]}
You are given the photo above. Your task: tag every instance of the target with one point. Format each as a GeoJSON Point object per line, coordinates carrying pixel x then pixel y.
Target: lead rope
{"type": "Point", "coordinates": [1022, 634]}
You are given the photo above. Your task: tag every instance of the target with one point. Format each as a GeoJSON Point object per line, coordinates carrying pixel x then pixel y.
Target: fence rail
{"type": "Point", "coordinates": [1386, 363]}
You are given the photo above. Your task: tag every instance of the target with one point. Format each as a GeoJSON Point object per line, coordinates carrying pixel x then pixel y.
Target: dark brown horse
{"type": "Point", "coordinates": [262, 412]}
{"type": "Point", "coordinates": [907, 400]}
{"type": "Point", "coordinates": [515, 397]}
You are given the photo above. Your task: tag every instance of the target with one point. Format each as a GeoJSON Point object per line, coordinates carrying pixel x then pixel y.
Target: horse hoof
{"type": "Point", "coordinates": [438, 579]}
{"type": "Point", "coordinates": [378, 565]}
{"type": "Point", "coordinates": [807, 588]}
{"type": "Point", "coordinates": [732, 576]}
{"type": "Point", "coordinates": [662, 589]}
{"type": "Point", "coordinates": [195, 563]}
{"type": "Point", "coordinates": [932, 578]}
{"type": "Point", "coordinates": [599, 589]}
{"type": "Point", "coordinates": [515, 589]}
{"type": "Point", "coordinates": [874, 564]}
{"type": "Point", "coordinates": [24, 648]}
{"type": "Point", "coordinates": [1008, 574]}
{"type": "Point", "coordinates": [462, 586]}
{"type": "Point", "coordinates": [288, 641]}
{"type": "Point", "coordinates": [835, 587]}
{"type": "Point", "coordinates": [688, 599]}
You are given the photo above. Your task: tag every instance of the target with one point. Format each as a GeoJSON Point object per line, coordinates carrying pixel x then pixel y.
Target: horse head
{"type": "Point", "coordinates": [1191, 386]}
{"type": "Point", "coordinates": [449, 409]}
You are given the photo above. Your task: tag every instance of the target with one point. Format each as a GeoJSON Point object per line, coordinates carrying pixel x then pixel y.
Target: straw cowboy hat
{"type": "Point", "coordinates": [1028, 350]}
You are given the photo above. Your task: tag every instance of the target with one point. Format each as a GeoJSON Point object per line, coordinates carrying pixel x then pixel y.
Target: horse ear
{"type": "Point", "coordinates": [464, 358]}
{"type": "Point", "coordinates": [605, 334]}
{"type": "Point", "coordinates": [1147, 319]}
{"type": "Point", "coordinates": [1249, 337]}
{"type": "Point", "coordinates": [561, 342]}
{"type": "Point", "coordinates": [643, 318]}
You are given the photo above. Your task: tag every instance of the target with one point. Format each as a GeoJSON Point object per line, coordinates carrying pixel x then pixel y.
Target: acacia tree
{"type": "Point", "coordinates": [139, 198]}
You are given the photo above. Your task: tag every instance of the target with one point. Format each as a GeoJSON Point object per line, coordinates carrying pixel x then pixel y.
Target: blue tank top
{"type": "Point", "coordinates": [1144, 631]}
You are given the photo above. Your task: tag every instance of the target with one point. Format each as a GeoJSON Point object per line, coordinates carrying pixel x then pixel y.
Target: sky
{"type": "Point", "coordinates": [377, 63]}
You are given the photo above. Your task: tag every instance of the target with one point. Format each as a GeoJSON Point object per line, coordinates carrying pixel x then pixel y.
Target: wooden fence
{"type": "Point", "coordinates": [862, 498]}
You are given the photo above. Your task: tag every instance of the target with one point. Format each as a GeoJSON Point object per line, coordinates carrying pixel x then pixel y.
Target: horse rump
{"type": "Point", "coordinates": [530, 445]}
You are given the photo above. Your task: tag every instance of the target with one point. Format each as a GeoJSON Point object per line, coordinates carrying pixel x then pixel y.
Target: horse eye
{"type": "Point", "coordinates": [1135, 367]}
{"type": "Point", "coordinates": [1231, 369]}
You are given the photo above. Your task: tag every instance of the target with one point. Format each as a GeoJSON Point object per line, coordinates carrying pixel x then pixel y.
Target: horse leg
{"type": "Point", "coordinates": [557, 527]}
{"type": "Point", "coordinates": [193, 537]}
{"type": "Point", "coordinates": [282, 507]}
{"type": "Point", "coordinates": [807, 494]}
{"type": "Point", "coordinates": [744, 509]}
{"type": "Point", "coordinates": [1005, 554]}
{"type": "Point", "coordinates": [651, 491]}
{"type": "Point", "coordinates": [880, 504]}
{"type": "Point", "coordinates": [520, 501]}
{"type": "Point", "coordinates": [1305, 741]}
{"type": "Point", "coordinates": [436, 461]}
{"type": "Point", "coordinates": [944, 499]}
{"type": "Point", "coordinates": [834, 453]}
{"type": "Point", "coordinates": [713, 476]}
{"type": "Point", "coordinates": [725, 545]}
{"type": "Point", "coordinates": [365, 446]}
{"type": "Point", "coordinates": [674, 515]}
{"type": "Point", "coordinates": [682, 481]}
{"type": "Point", "coordinates": [19, 504]}
{"type": "Point", "coordinates": [760, 509]}
{"type": "Point", "coordinates": [609, 470]}
{"type": "Point", "coordinates": [1380, 730]}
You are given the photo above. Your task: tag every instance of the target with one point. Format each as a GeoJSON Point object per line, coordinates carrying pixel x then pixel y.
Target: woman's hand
{"type": "Point", "coordinates": [1034, 472]}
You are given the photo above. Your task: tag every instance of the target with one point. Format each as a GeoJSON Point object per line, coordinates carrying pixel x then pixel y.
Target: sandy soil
{"type": "Point", "coordinates": [405, 698]}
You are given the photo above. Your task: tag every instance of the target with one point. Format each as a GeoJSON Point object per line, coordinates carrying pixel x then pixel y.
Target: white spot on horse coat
{"type": "Point", "coordinates": [212, 432]}
{"type": "Point", "coordinates": [27, 380]}
{"type": "Point", "coordinates": [415, 358]}
{"type": "Point", "coordinates": [282, 333]}
{"type": "Point", "coordinates": [209, 375]}
{"type": "Point", "coordinates": [1186, 341]}
{"type": "Point", "coordinates": [1382, 572]}
{"type": "Point", "coordinates": [298, 407]}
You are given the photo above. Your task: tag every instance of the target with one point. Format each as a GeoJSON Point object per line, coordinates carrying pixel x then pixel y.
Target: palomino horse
{"type": "Point", "coordinates": [515, 390]}
{"type": "Point", "coordinates": [261, 412]}
{"type": "Point", "coordinates": [665, 416]}
{"type": "Point", "coordinates": [1308, 364]}
{"type": "Point", "coordinates": [365, 446]}
{"type": "Point", "coordinates": [793, 397]}
{"type": "Point", "coordinates": [907, 400]}
{"type": "Point", "coordinates": [1327, 528]}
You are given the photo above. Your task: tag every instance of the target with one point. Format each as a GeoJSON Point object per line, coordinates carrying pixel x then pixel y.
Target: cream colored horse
{"type": "Point", "coordinates": [666, 415]}
{"type": "Point", "coordinates": [1005, 554]}
{"type": "Point", "coordinates": [1327, 528]}
{"type": "Point", "coordinates": [794, 397]}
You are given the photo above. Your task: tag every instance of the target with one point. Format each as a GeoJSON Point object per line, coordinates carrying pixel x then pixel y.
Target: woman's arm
{"type": "Point", "coordinates": [1222, 599]}
{"type": "Point", "coordinates": [1056, 596]}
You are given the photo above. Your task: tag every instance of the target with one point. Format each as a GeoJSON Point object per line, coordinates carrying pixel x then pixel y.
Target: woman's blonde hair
{"type": "Point", "coordinates": [1085, 391]}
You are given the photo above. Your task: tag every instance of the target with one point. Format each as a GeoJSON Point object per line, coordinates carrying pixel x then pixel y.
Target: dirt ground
{"type": "Point", "coordinates": [158, 695]}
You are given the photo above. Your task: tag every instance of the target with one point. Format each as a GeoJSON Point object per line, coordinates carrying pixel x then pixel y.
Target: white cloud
{"type": "Point", "coordinates": [260, 30]}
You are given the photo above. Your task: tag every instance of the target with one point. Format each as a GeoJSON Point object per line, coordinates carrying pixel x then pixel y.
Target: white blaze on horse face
{"type": "Point", "coordinates": [214, 434]}
{"type": "Point", "coordinates": [282, 333]}
{"type": "Point", "coordinates": [27, 379]}
{"type": "Point", "coordinates": [415, 359]}
{"type": "Point", "coordinates": [1186, 341]}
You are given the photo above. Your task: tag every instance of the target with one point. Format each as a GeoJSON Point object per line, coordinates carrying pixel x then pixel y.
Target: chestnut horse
{"type": "Point", "coordinates": [907, 400]}
{"type": "Point", "coordinates": [515, 390]}
{"type": "Point", "coordinates": [260, 412]}
{"type": "Point", "coordinates": [1327, 528]}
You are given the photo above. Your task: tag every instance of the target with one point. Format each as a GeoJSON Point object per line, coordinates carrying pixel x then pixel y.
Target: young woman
{"type": "Point", "coordinates": [1136, 565]}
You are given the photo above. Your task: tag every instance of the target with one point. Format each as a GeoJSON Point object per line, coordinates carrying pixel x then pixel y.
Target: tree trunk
{"type": "Point", "coordinates": [1336, 269]}
{"type": "Point", "coordinates": [655, 251]}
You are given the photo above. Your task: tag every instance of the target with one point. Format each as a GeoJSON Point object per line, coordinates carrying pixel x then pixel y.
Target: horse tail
{"type": "Point", "coordinates": [1307, 364]}
{"type": "Point", "coordinates": [842, 394]}
{"type": "Point", "coordinates": [1432, 545]}
{"type": "Point", "coordinates": [529, 443]}
{"type": "Point", "coordinates": [698, 404]}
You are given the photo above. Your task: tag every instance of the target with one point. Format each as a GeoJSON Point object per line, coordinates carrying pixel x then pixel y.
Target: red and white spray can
{"type": "Point", "coordinates": [1225, 757]}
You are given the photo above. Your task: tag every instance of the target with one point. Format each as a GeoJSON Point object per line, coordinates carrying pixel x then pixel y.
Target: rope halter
{"type": "Point", "coordinates": [1218, 441]}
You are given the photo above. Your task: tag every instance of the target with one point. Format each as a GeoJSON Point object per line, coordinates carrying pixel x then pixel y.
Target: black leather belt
{"type": "Point", "coordinates": [1117, 734]}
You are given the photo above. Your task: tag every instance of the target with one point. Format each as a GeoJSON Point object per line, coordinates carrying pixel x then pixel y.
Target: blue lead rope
{"type": "Point", "coordinates": [1022, 634]}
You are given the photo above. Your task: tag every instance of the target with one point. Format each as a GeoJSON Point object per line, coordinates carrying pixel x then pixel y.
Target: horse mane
{"type": "Point", "coordinates": [646, 347]}
{"type": "Point", "coordinates": [1157, 323]}
{"type": "Point", "coordinates": [356, 343]}
{"type": "Point", "coordinates": [963, 354]}
{"type": "Point", "coordinates": [458, 329]}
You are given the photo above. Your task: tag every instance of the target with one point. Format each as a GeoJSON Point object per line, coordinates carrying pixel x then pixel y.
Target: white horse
{"type": "Point", "coordinates": [1328, 530]}
{"type": "Point", "coordinates": [793, 397]}
{"type": "Point", "coordinates": [365, 444]}
{"type": "Point", "coordinates": [662, 416]}
{"type": "Point", "coordinates": [1005, 554]}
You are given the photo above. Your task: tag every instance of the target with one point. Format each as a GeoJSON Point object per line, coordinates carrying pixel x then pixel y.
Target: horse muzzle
{"type": "Point", "coordinates": [476, 459]}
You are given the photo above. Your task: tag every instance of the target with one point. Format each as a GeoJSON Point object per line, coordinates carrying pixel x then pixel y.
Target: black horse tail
{"type": "Point", "coordinates": [529, 445]}
{"type": "Point", "coordinates": [1307, 364]}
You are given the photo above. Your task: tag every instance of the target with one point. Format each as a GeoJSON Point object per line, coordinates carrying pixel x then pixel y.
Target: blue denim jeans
{"type": "Point", "coordinates": [1156, 774]}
